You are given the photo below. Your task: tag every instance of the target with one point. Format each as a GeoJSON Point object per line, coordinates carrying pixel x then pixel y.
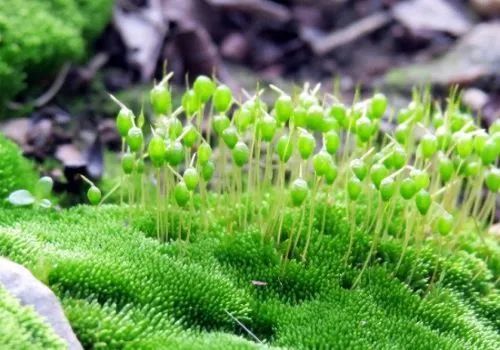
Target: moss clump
{"type": "Point", "coordinates": [39, 36]}
{"type": "Point", "coordinates": [16, 172]}
{"type": "Point", "coordinates": [22, 328]}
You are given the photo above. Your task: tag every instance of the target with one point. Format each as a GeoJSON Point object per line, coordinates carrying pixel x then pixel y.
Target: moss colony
{"type": "Point", "coordinates": [301, 226]}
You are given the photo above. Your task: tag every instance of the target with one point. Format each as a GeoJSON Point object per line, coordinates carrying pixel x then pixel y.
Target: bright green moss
{"type": "Point", "coordinates": [22, 328]}
{"type": "Point", "coordinates": [16, 172]}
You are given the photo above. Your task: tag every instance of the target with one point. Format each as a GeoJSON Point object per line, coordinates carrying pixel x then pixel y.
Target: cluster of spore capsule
{"type": "Point", "coordinates": [245, 162]}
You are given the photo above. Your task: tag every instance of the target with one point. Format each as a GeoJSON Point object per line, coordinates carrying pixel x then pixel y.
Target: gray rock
{"type": "Point", "coordinates": [475, 56]}
{"type": "Point", "coordinates": [21, 284]}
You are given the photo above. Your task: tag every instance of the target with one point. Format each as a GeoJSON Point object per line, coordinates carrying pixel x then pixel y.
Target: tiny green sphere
{"type": "Point", "coordinates": [423, 200]}
{"type": "Point", "coordinates": [339, 112]}
{"type": "Point", "coordinates": [377, 107]}
{"type": "Point", "coordinates": [135, 139]}
{"type": "Point", "coordinates": [307, 100]}
{"type": "Point", "coordinates": [332, 142]}
{"type": "Point", "coordinates": [402, 133]}
{"type": "Point", "coordinates": [241, 153]}
{"type": "Point", "coordinates": [446, 168]}
{"type": "Point", "coordinates": [417, 111]}
{"type": "Point", "coordinates": [242, 119]}
{"type": "Point", "coordinates": [124, 121]}
{"type": "Point", "coordinates": [161, 100]}
{"type": "Point", "coordinates": [359, 168]}
{"type": "Point", "coordinates": [480, 140]}
{"type": "Point", "coordinates": [284, 148]}
{"type": "Point", "coordinates": [283, 108]}
{"type": "Point", "coordinates": [329, 124]}
{"type": "Point", "coordinates": [444, 138]}
{"type": "Point", "coordinates": [331, 174]}
{"type": "Point", "coordinates": [94, 195]}
{"type": "Point", "coordinates": [230, 137]}
{"type": "Point", "coordinates": [220, 123]}
{"type": "Point", "coordinates": [191, 178]}
{"type": "Point", "coordinates": [404, 115]}
{"type": "Point", "coordinates": [204, 153]}
{"type": "Point", "coordinates": [140, 166]}
{"type": "Point", "coordinates": [190, 136]}
{"type": "Point", "coordinates": [421, 178]}
{"type": "Point", "coordinates": [315, 117]}
{"type": "Point", "coordinates": [429, 145]}
{"type": "Point", "coordinates": [298, 191]}
{"type": "Point", "coordinates": [465, 144]}
{"type": "Point", "coordinates": [222, 98]}
{"type": "Point", "coordinates": [472, 168]}
{"type": "Point", "coordinates": [191, 103]}
{"type": "Point", "coordinates": [398, 158]}
{"type": "Point", "coordinates": [128, 163]}
{"type": "Point", "coordinates": [408, 188]}
{"type": "Point", "coordinates": [181, 194]}
{"type": "Point", "coordinates": [157, 151]}
{"type": "Point", "coordinates": [321, 162]}
{"type": "Point", "coordinates": [204, 88]}
{"type": "Point", "coordinates": [306, 145]}
{"type": "Point", "coordinates": [378, 173]}
{"type": "Point", "coordinates": [175, 153]}
{"type": "Point", "coordinates": [267, 128]}
{"type": "Point", "coordinates": [175, 128]}
{"type": "Point", "coordinates": [354, 188]}
{"type": "Point", "coordinates": [489, 153]}
{"type": "Point", "coordinates": [299, 117]}
{"type": "Point", "coordinates": [445, 224]}
{"type": "Point", "coordinates": [457, 122]}
{"type": "Point", "coordinates": [492, 179]}
{"type": "Point", "coordinates": [208, 170]}
{"type": "Point", "coordinates": [437, 120]}
{"type": "Point", "coordinates": [364, 129]}
{"type": "Point", "coordinates": [43, 187]}
{"type": "Point", "coordinates": [387, 188]}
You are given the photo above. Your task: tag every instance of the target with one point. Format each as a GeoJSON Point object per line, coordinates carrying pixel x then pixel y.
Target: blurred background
{"type": "Point", "coordinates": [60, 58]}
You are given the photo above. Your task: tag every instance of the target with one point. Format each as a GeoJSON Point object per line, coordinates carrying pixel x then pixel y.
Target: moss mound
{"type": "Point", "coordinates": [122, 289]}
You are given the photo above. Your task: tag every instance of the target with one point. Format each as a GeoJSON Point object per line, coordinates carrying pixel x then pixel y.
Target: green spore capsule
{"type": "Point", "coordinates": [492, 179]}
{"type": "Point", "coordinates": [377, 107]}
{"type": "Point", "coordinates": [445, 224]}
{"type": "Point", "coordinates": [339, 112]}
{"type": "Point", "coordinates": [222, 98]}
{"type": "Point", "coordinates": [204, 153]}
{"type": "Point", "coordinates": [298, 191]}
{"type": "Point", "coordinates": [364, 129]}
{"type": "Point", "coordinates": [204, 88]}
{"type": "Point", "coordinates": [480, 140]}
{"type": "Point", "coordinates": [307, 100]}
{"type": "Point", "coordinates": [220, 123]}
{"type": "Point", "coordinates": [190, 136]}
{"type": "Point", "coordinates": [378, 173]}
{"type": "Point", "coordinates": [128, 163]}
{"type": "Point", "coordinates": [175, 153]}
{"type": "Point", "coordinates": [191, 178]}
{"type": "Point", "coordinates": [306, 145]}
{"type": "Point", "coordinates": [331, 174]}
{"type": "Point", "coordinates": [464, 144]}
{"type": "Point", "coordinates": [135, 139]}
{"type": "Point", "coordinates": [230, 137]}
{"type": "Point", "coordinates": [428, 145]}
{"type": "Point", "coordinates": [181, 194]}
{"type": "Point", "coordinates": [417, 111]}
{"type": "Point", "coordinates": [354, 188]}
{"type": "Point", "coordinates": [472, 168]}
{"type": "Point", "coordinates": [402, 133]}
{"type": "Point", "coordinates": [161, 100]}
{"type": "Point", "coordinates": [124, 121]}
{"type": "Point", "coordinates": [359, 168]}
{"type": "Point", "coordinates": [404, 115]}
{"type": "Point", "coordinates": [315, 117]}
{"type": "Point", "coordinates": [284, 148]}
{"type": "Point", "coordinates": [140, 166]}
{"type": "Point", "coordinates": [421, 178]}
{"type": "Point", "coordinates": [299, 117]}
{"type": "Point", "coordinates": [321, 162]}
{"type": "Point", "coordinates": [457, 122]}
{"type": "Point", "coordinates": [423, 201]}
{"type": "Point", "coordinates": [44, 186]}
{"type": "Point", "coordinates": [332, 142]}
{"type": "Point", "coordinates": [191, 103]}
{"type": "Point", "coordinates": [437, 120]}
{"type": "Point", "coordinates": [489, 153]}
{"type": "Point", "coordinates": [398, 158]}
{"type": "Point", "coordinates": [175, 128]}
{"type": "Point", "coordinates": [387, 188]}
{"type": "Point", "coordinates": [94, 195]}
{"type": "Point", "coordinates": [208, 170]}
{"type": "Point", "coordinates": [267, 128]}
{"type": "Point", "coordinates": [445, 167]}
{"type": "Point", "coordinates": [157, 151]}
{"type": "Point", "coordinates": [408, 188]}
{"type": "Point", "coordinates": [283, 108]}
{"type": "Point", "coordinates": [242, 119]}
{"type": "Point", "coordinates": [328, 124]}
{"type": "Point", "coordinates": [241, 154]}
{"type": "Point", "coordinates": [444, 138]}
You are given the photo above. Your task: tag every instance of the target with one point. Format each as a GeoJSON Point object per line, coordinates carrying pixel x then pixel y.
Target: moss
{"type": "Point", "coordinates": [22, 328]}
{"type": "Point", "coordinates": [16, 172]}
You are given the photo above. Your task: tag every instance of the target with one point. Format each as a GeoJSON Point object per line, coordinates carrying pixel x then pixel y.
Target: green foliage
{"type": "Point", "coordinates": [16, 172]}
{"type": "Point", "coordinates": [22, 328]}
{"type": "Point", "coordinates": [39, 36]}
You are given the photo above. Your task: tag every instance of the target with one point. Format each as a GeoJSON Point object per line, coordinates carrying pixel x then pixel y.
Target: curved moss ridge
{"type": "Point", "coordinates": [22, 328]}
{"type": "Point", "coordinates": [39, 36]}
{"type": "Point", "coordinates": [16, 172]}
{"type": "Point", "coordinates": [121, 289]}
